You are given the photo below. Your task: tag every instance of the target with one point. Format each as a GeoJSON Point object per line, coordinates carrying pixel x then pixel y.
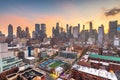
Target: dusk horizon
{"type": "Point", "coordinates": [27, 13]}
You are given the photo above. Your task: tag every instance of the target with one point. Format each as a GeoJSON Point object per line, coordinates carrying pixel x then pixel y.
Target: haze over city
{"type": "Point", "coordinates": [29, 12]}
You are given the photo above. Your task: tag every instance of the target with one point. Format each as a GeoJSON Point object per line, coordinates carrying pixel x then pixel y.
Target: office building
{"type": "Point", "coordinates": [10, 31]}
{"type": "Point", "coordinates": [7, 58]}
{"type": "Point", "coordinates": [116, 41]}
{"type": "Point", "coordinates": [18, 32]}
{"type": "Point", "coordinates": [43, 28]}
{"type": "Point", "coordinates": [4, 51]}
{"type": "Point", "coordinates": [37, 28]}
{"type": "Point", "coordinates": [27, 33]}
{"type": "Point", "coordinates": [90, 33]}
{"type": "Point", "coordinates": [75, 32]}
{"type": "Point", "coordinates": [9, 62]}
{"type": "Point", "coordinates": [101, 36]}
{"type": "Point", "coordinates": [112, 30]}
{"type": "Point", "coordinates": [78, 28]}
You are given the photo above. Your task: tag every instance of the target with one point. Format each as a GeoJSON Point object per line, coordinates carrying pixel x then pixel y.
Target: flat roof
{"type": "Point", "coordinates": [105, 57]}
{"type": "Point", "coordinates": [30, 58]}
{"type": "Point", "coordinates": [96, 72]}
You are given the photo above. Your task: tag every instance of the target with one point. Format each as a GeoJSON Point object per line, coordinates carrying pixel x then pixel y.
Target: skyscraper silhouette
{"type": "Point", "coordinates": [10, 31]}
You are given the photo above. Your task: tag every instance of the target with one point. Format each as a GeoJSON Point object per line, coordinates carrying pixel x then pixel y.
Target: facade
{"type": "Point", "coordinates": [110, 63]}
{"type": "Point", "coordinates": [8, 63]}
{"type": "Point", "coordinates": [112, 30]}
{"type": "Point", "coordinates": [67, 54]}
{"type": "Point", "coordinates": [43, 28]}
{"type": "Point", "coordinates": [4, 51]}
{"type": "Point", "coordinates": [10, 31]}
{"type": "Point", "coordinates": [90, 24]}
{"type": "Point", "coordinates": [116, 42]}
{"type": "Point", "coordinates": [18, 32]}
{"type": "Point", "coordinates": [100, 36]}
{"type": "Point", "coordinates": [37, 28]}
{"type": "Point", "coordinates": [80, 72]}
{"type": "Point", "coordinates": [2, 37]}
{"type": "Point", "coordinates": [27, 33]}
{"type": "Point", "coordinates": [7, 58]}
{"type": "Point", "coordinates": [30, 60]}
{"type": "Point", "coordinates": [75, 32]}
{"type": "Point", "coordinates": [83, 35]}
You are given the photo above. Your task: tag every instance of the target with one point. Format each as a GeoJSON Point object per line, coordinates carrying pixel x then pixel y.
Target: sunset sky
{"type": "Point", "coordinates": [28, 12]}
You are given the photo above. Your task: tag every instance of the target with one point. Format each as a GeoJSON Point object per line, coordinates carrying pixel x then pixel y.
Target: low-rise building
{"type": "Point", "coordinates": [9, 62]}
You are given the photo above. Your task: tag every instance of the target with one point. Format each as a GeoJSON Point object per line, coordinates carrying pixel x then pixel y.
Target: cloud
{"type": "Point", "coordinates": [112, 12]}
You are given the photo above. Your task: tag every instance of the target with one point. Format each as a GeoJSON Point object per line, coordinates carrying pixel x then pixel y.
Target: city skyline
{"type": "Point", "coordinates": [73, 12]}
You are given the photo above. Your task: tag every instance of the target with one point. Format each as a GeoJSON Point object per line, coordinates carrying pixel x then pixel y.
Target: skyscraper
{"type": "Point", "coordinates": [100, 36]}
{"type": "Point", "coordinates": [90, 33]}
{"type": "Point", "coordinates": [82, 37]}
{"type": "Point", "coordinates": [112, 29]}
{"type": "Point", "coordinates": [18, 32]}
{"type": "Point", "coordinates": [43, 28]}
{"type": "Point", "coordinates": [27, 32]}
{"type": "Point", "coordinates": [57, 29]}
{"type": "Point", "coordinates": [75, 32]}
{"type": "Point", "coordinates": [43, 31]}
{"type": "Point", "coordinates": [67, 27]}
{"type": "Point", "coordinates": [78, 27]}
{"type": "Point", "coordinates": [10, 31]}
{"type": "Point", "coordinates": [37, 28]}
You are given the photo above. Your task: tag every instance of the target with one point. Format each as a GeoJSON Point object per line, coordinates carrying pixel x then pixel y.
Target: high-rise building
{"type": "Point", "coordinates": [82, 37]}
{"type": "Point", "coordinates": [90, 24]}
{"type": "Point", "coordinates": [43, 28]}
{"type": "Point", "coordinates": [10, 31]}
{"type": "Point", "coordinates": [78, 27]}
{"type": "Point", "coordinates": [53, 31]}
{"type": "Point", "coordinates": [19, 32]}
{"type": "Point", "coordinates": [75, 32]}
{"type": "Point", "coordinates": [57, 29]}
{"type": "Point", "coordinates": [112, 30]}
{"type": "Point", "coordinates": [118, 30]}
{"type": "Point", "coordinates": [33, 35]}
{"type": "Point", "coordinates": [67, 27]}
{"type": "Point", "coordinates": [27, 32]}
{"type": "Point", "coordinates": [101, 36]}
{"type": "Point", "coordinates": [37, 28]}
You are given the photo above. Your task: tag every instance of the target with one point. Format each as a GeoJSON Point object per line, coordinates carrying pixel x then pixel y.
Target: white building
{"type": "Point", "coordinates": [4, 51]}
{"type": "Point", "coordinates": [58, 71]}
{"type": "Point", "coordinates": [116, 41]}
{"type": "Point", "coordinates": [7, 58]}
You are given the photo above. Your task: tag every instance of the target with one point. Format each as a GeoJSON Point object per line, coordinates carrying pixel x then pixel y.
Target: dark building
{"type": "Point", "coordinates": [43, 28]}
{"type": "Point", "coordinates": [37, 28]}
{"type": "Point", "coordinates": [112, 30]}
{"type": "Point", "coordinates": [21, 55]}
{"type": "Point", "coordinates": [10, 31]}
{"type": "Point", "coordinates": [19, 31]}
{"type": "Point", "coordinates": [100, 36]}
{"type": "Point", "coordinates": [65, 54]}
{"type": "Point", "coordinates": [90, 24]}
{"type": "Point", "coordinates": [43, 31]}
{"type": "Point", "coordinates": [27, 33]}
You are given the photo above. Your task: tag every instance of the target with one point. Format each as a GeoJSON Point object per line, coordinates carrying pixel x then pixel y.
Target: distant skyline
{"type": "Point", "coordinates": [29, 12]}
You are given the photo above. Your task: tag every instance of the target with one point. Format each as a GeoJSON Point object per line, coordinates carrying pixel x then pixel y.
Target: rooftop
{"type": "Point", "coordinates": [105, 57]}
{"type": "Point", "coordinates": [96, 72]}
{"type": "Point", "coordinates": [32, 74]}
